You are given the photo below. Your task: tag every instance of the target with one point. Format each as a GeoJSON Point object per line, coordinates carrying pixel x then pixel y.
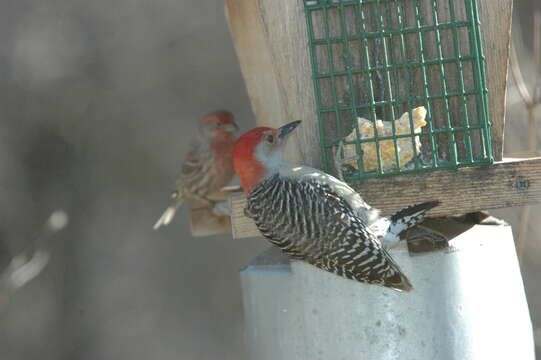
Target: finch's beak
{"type": "Point", "coordinates": [285, 130]}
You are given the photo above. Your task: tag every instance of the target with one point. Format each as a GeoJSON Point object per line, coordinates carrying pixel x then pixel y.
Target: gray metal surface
{"type": "Point", "coordinates": [468, 302]}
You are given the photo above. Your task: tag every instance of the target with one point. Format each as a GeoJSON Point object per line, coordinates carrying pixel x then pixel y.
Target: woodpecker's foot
{"type": "Point", "coordinates": [247, 213]}
{"type": "Point", "coordinates": [221, 208]}
{"type": "Point", "coordinates": [341, 162]}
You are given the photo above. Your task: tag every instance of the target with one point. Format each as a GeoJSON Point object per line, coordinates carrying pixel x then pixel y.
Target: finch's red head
{"type": "Point", "coordinates": [258, 152]}
{"type": "Point", "coordinates": [218, 124]}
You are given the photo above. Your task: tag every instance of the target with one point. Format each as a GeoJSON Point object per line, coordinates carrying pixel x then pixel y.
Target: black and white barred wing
{"type": "Point", "coordinates": [310, 222]}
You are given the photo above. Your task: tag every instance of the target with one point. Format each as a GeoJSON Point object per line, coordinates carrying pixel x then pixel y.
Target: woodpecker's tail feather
{"type": "Point", "coordinates": [398, 282]}
{"type": "Point", "coordinates": [169, 213]}
{"type": "Point", "coordinates": [395, 279]}
{"type": "Point", "coordinates": [410, 216]}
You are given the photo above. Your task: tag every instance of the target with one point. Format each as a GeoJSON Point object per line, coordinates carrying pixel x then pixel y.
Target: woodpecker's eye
{"type": "Point", "coordinates": [270, 139]}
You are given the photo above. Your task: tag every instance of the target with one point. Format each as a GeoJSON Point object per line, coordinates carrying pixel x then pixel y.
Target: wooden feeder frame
{"type": "Point", "coordinates": [270, 38]}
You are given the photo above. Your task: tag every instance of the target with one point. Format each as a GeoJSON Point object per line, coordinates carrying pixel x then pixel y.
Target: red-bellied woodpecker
{"type": "Point", "coordinates": [208, 167]}
{"type": "Point", "coordinates": [315, 217]}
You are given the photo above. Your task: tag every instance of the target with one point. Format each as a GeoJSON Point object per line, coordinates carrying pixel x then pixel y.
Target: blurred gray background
{"type": "Point", "coordinates": [98, 101]}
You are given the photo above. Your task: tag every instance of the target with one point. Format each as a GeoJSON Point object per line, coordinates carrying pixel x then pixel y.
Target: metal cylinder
{"type": "Point", "coordinates": [468, 303]}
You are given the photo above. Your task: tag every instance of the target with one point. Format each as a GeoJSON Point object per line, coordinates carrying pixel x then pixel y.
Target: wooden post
{"type": "Point", "coordinates": [496, 27]}
{"type": "Point", "coordinates": [511, 182]}
{"type": "Point", "coordinates": [203, 222]}
{"type": "Point", "coordinates": [270, 41]}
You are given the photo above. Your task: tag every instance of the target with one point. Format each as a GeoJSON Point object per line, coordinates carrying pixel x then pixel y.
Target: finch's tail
{"type": "Point", "coordinates": [170, 212]}
{"type": "Point", "coordinates": [410, 216]}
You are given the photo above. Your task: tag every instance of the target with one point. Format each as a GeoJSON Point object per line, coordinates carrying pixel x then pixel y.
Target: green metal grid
{"type": "Point", "coordinates": [380, 58]}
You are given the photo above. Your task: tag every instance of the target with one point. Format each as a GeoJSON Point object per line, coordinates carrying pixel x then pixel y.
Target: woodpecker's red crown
{"type": "Point", "coordinates": [259, 151]}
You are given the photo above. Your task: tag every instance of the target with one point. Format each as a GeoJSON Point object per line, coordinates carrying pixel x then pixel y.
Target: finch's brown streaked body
{"type": "Point", "coordinates": [208, 165]}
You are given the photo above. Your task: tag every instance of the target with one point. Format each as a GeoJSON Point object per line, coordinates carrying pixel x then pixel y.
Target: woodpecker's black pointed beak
{"type": "Point", "coordinates": [287, 129]}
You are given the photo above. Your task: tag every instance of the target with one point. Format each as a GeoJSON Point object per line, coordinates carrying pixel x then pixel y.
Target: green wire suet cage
{"type": "Point", "coordinates": [399, 85]}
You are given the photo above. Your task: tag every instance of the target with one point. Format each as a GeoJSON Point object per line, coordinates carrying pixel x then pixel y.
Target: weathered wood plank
{"type": "Point", "coordinates": [496, 18]}
{"type": "Point", "coordinates": [203, 222]}
{"type": "Point", "coordinates": [271, 43]}
{"type": "Point", "coordinates": [511, 182]}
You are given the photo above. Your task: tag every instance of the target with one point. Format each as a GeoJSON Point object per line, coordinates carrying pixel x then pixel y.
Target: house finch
{"type": "Point", "coordinates": [208, 166]}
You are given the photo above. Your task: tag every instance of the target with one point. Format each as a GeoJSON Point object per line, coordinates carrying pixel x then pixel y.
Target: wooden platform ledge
{"type": "Point", "coordinates": [514, 181]}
